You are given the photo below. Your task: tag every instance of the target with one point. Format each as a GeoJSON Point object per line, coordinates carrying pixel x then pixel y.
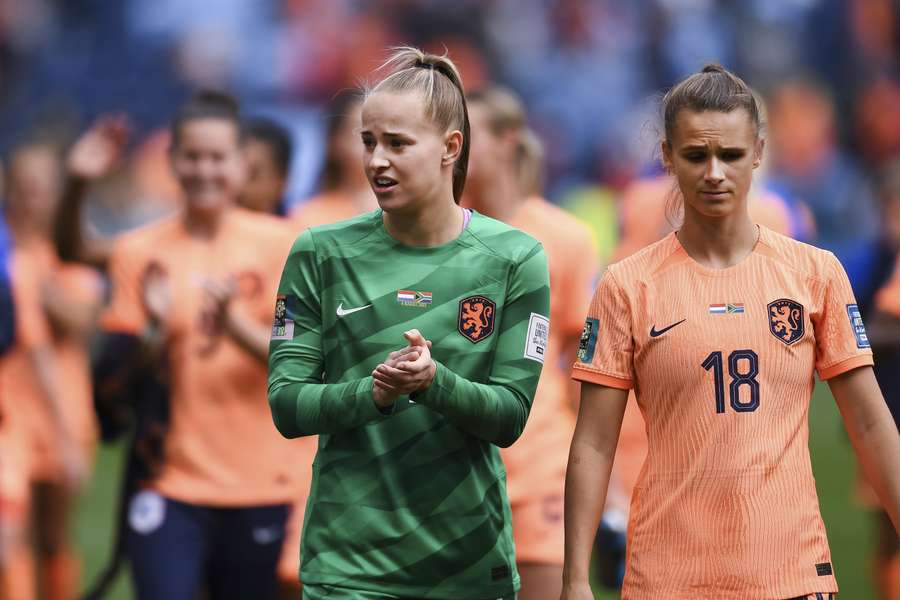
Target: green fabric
{"type": "Point", "coordinates": [327, 592]}
{"type": "Point", "coordinates": [411, 503]}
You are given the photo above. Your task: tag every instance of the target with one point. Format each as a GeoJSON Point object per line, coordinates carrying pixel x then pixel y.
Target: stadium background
{"type": "Point", "coordinates": [588, 70]}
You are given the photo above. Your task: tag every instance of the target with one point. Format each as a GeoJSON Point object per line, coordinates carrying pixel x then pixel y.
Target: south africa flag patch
{"type": "Point", "coordinates": [413, 298]}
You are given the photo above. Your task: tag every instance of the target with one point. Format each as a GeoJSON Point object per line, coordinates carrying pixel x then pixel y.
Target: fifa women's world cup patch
{"type": "Point", "coordinates": [476, 317]}
{"type": "Point", "coordinates": [537, 337]}
{"type": "Point", "coordinates": [786, 320]}
{"type": "Point", "coordinates": [285, 312]}
{"type": "Point", "coordinates": [856, 323]}
{"type": "Point", "coordinates": [588, 340]}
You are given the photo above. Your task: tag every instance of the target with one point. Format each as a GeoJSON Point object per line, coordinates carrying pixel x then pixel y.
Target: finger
{"type": "Point", "coordinates": [414, 337]}
{"type": "Point", "coordinates": [385, 387]}
{"type": "Point", "coordinates": [385, 382]}
{"type": "Point", "coordinates": [409, 356]}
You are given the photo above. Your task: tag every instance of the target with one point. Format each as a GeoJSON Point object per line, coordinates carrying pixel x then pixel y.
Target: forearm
{"type": "Point", "coordinates": [300, 409]}
{"type": "Point", "coordinates": [587, 480]}
{"type": "Point", "coordinates": [67, 227]}
{"type": "Point", "coordinates": [877, 446]}
{"type": "Point", "coordinates": [491, 412]}
{"type": "Point", "coordinates": [251, 336]}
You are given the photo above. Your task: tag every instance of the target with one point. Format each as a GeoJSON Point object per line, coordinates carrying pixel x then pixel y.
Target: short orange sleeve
{"type": "Point", "coordinates": [125, 312]}
{"type": "Point", "coordinates": [606, 349]}
{"type": "Point", "coordinates": [32, 328]}
{"type": "Point", "coordinates": [841, 340]}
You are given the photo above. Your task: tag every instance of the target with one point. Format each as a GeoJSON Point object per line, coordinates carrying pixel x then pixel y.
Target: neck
{"type": "Point", "coordinates": [203, 223]}
{"type": "Point", "coordinates": [429, 227]}
{"type": "Point", "coordinates": [498, 197]}
{"type": "Point", "coordinates": [718, 243]}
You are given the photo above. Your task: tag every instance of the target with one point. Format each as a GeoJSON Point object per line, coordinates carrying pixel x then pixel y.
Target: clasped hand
{"type": "Point", "coordinates": [405, 371]}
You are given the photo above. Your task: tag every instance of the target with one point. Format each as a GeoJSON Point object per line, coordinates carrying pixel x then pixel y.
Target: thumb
{"type": "Point", "coordinates": [415, 338]}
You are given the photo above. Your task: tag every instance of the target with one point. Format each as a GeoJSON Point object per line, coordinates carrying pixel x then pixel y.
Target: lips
{"type": "Point", "coordinates": [382, 183]}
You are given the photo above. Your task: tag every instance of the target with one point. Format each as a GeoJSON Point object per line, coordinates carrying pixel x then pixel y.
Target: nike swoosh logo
{"type": "Point", "coordinates": [341, 311]}
{"type": "Point", "coordinates": [655, 333]}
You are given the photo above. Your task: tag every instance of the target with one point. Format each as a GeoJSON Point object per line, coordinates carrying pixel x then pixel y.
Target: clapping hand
{"type": "Point", "coordinates": [405, 371]}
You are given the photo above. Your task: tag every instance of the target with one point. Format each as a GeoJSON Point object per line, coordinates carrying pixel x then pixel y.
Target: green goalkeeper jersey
{"type": "Point", "coordinates": [412, 502]}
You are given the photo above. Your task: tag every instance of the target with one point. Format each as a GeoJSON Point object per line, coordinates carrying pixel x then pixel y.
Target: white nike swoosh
{"type": "Point", "coordinates": [341, 312]}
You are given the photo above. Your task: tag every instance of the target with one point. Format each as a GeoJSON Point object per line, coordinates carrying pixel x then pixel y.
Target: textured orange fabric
{"type": "Point", "coordinates": [726, 505]}
{"type": "Point", "coordinates": [218, 390]}
{"type": "Point", "coordinates": [33, 268]}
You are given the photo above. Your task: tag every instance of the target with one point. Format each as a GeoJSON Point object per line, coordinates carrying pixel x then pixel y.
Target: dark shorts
{"type": "Point", "coordinates": [177, 549]}
{"type": "Point", "coordinates": [329, 592]}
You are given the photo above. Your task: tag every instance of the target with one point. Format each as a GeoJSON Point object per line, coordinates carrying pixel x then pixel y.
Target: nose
{"type": "Point", "coordinates": [715, 174]}
{"type": "Point", "coordinates": [376, 159]}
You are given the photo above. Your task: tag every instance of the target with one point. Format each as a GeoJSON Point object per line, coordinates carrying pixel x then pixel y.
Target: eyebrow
{"type": "Point", "coordinates": [705, 147]}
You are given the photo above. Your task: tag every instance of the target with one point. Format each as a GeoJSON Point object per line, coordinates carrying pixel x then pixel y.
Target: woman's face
{"type": "Point", "coordinates": [712, 155]}
{"type": "Point", "coordinates": [208, 163]}
{"type": "Point", "coordinates": [407, 159]}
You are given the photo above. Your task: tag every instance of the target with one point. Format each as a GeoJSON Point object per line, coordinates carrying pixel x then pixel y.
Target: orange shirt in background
{"type": "Point", "coordinates": [221, 448]}
{"type": "Point", "coordinates": [34, 267]}
{"type": "Point", "coordinates": [722, 363]}
{"type": "Point", "coordinates": [324, 209]}
{"type": "Point", "coordinates": [536, 463]}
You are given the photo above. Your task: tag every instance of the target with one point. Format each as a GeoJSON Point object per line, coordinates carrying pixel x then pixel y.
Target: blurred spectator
{"type": "Point", "coordinates": [268, 151]}
{"type": "Point", "coordinates": [809, 165]}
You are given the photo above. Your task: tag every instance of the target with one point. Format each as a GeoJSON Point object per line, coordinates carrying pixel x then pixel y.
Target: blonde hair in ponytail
{"type": "Point", "coordinates": [439, 82]}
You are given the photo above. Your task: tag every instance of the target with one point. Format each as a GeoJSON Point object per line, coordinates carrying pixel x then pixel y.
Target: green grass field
{"type": "Point", "coordinates": [849, 529]}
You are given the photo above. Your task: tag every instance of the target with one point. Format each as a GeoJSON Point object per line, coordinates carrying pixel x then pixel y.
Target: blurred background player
{"type": "Point", "coordinates": [199, 287]}
{"type": "Point", "coordinates": [268, 150]}
{"type": "Point", "coordinates": [788, 312]}
{"type": "Point", "coordinates": [47, 375]}
{"type": "Point", "coordinates": [345, 192]}
{"type": "Point", "coordinates": [505, 183]}
{"type": "Point", "coordinates": [884, 334]}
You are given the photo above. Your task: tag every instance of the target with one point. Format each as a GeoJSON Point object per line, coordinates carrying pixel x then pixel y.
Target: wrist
{"type": "Point", "coordinates": [432, 371]}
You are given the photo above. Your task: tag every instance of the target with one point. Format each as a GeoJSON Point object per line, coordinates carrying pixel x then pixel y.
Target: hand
{"type": "Point", "coordinates": [156, 293]}
{"type": "Point", "coordinates": [412, 373]}
{"type": "Point", "coordinates": [580, 591]}
{"type": "Point", "coordinates": [99, 150]}
{"type": "Point", "coordinates": [217, 297]}
{"type": "Point", "coordinates": [384, 393]}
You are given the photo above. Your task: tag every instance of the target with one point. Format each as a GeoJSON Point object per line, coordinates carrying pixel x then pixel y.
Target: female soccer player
{"type": "Point", "coordinates": [536, 464]}
{"type": "Point", "coordinates": [409, 492]}
{"type": "Point", "coordinates": [720, 328]}
{"type": "Point", "coordinates": [196, 291]}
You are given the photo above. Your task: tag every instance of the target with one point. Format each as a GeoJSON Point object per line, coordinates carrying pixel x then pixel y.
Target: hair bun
{"type": "Point", "coordinates": [713, 68]}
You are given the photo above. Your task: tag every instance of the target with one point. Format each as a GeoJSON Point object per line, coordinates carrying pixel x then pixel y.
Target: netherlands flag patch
{"type": "Point", "coordinates": [731, 308]}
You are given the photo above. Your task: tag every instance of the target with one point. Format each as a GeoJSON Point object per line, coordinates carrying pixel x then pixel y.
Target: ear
{"type": "Point", "coordinates": [758, 152]}
{"type": "Point", "coordinates": [452, 147]}
{"type": "Point", "coordinates": [666, 151]}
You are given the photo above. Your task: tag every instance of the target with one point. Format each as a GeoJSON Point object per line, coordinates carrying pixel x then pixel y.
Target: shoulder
{"type": "Point", "coordinates": [804, 259]}
{"type": "Point", "coordinates": [646, 263]}
{"type": "Point", "coordinates": [348, 231]}
{"type": "Point", "coordinates": [499, 239]}
{"type": "Point", "coordinates": [565, 229]}
{"type": "Point", "coordinates": [147, 238]}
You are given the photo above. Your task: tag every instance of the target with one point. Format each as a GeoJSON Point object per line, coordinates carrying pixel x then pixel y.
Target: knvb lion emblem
{"type": "Point", "coordinates": [786, 320]}
{"type": "Point", "coordinates": [476, 317]}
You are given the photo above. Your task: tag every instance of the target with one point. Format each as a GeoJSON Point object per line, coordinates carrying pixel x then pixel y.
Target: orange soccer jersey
{"type": "Point", "coordinates": [222, 448]}
{"type": "Point", "coordinates": [324, 209]}
{"type": "Point", "coordinates": [722, 363]}
{"type": "Point", "coordinates": [536, 463]}
{"type": "Point", "coordinates": [33, 267]}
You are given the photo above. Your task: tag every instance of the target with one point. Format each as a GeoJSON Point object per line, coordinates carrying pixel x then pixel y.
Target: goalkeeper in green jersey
{"type": "Point", "coordinates": [411, 340]}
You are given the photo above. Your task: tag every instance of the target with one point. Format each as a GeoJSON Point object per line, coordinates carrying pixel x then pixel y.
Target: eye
{"type": "Point", "coordinates": [368, 141]}
{"type": "Point", "coordinates": [732, 155]}
{"type": "Point", "coordinates": [695, 157]}
{"type": "Point", "coordinates": [398, 143]}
